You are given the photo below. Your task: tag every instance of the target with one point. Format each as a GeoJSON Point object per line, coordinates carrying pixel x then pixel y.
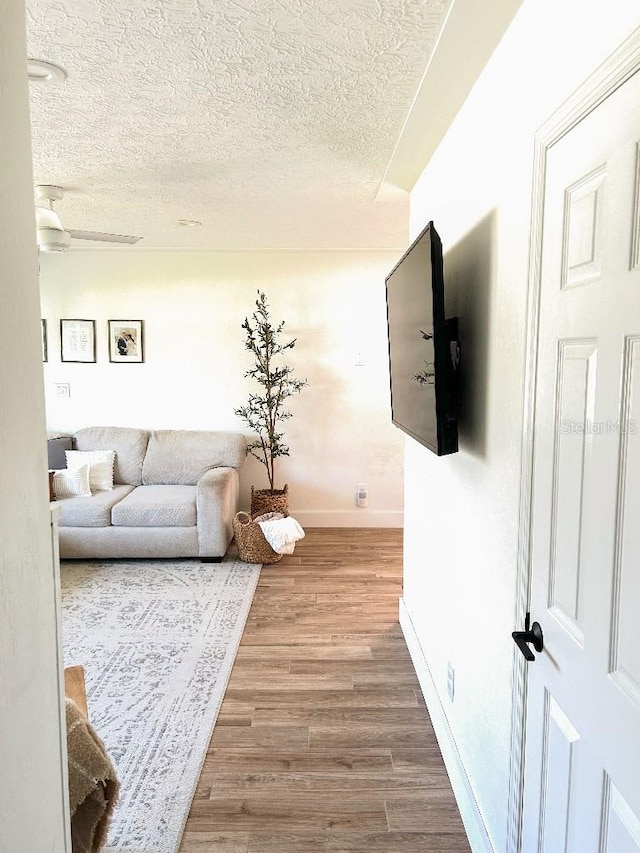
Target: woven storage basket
{"type": "Point", "coordinates": [252, 546]}
{"type": "Point", "coordinates": [264, 500]}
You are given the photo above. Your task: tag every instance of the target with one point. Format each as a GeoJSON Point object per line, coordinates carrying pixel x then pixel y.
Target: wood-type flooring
{"type": "Point", "coordinates": [323, 743]}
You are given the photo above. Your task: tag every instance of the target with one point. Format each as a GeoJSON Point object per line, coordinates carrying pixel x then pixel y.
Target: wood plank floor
{"type": "Point", "coordinates": [323, 743]}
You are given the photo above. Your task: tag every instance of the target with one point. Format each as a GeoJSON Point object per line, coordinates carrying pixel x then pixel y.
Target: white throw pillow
{"type": "Point", "coordinates": [100, 463]}
{"type": "Point", "coordinates": [72, 483]}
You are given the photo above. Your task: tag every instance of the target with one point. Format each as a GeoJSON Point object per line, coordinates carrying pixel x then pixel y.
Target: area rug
{"type": "Point", "coordinates": [157, 640]}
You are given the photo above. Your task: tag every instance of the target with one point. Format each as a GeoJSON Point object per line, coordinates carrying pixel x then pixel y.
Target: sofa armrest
{"type": "Point", "coordinates": [216, 506]}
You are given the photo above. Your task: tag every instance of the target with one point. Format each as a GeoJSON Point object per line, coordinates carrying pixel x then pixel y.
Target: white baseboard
{"type": "Point", "coordinates": [467, 804]}
{"type": "Point", "coordinates": [348, 518]}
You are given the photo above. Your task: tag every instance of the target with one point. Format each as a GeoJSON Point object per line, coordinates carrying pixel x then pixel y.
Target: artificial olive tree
{"type": "Point", "coordinates": [265, 410]}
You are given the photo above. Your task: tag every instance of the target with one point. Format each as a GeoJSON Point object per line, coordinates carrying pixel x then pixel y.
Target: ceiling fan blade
{"type": "Point", "coordinates": [103, 238]}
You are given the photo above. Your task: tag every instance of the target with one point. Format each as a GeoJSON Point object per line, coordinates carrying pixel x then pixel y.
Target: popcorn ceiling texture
{"type": "Point", "coordinates": [272, 121]}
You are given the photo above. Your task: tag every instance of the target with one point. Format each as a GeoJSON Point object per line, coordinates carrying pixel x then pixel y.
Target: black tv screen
{"type": "Point", "coordinates": [423, 347]}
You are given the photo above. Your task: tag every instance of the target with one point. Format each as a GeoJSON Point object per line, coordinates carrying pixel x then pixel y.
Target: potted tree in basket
{"type": "Point", "coordinates": [265, 411]}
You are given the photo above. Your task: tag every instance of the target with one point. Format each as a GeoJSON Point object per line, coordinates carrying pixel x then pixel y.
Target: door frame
{"type": "Point", "coordinates": [613, 73]}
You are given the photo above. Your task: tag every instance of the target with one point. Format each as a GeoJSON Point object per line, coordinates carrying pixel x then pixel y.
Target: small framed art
{"type": "Point", "coordinates": [125, 341]}
{"type": "Point", "coordinates": [78, 340]}
{"type": "Point", "coordinates": [45, 354]}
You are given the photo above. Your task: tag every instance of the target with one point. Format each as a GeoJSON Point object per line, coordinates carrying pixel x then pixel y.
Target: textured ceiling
{"type": "Point", "coordinates": [271, 121]}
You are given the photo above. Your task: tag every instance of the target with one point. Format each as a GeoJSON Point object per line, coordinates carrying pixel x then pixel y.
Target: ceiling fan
{"type": "Point", "coordinates": [52, 236]}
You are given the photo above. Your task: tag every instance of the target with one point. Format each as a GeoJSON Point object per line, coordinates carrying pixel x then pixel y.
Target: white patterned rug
{"type": "Point", "coordinates": [157, 640]}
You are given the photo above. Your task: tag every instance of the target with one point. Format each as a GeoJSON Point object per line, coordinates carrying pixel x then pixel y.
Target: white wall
{"type": "Point", "coordinates": [193, 304]}
{"type": "Point", "coordinates": [461, 512]}
{"type": "Point", "coordinates": [31, 758]}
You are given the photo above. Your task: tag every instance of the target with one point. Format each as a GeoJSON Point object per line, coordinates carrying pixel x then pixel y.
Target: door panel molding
{"type": "Point", "coordinates": [581, 230]}
{"type": "Point", "coordinates": [576, 369]}
{"type": "Point", "coordinates": [612, 74]}
{"type": "Point", "coordinates": [624, 659]}
{"type": "Point", "coordinates": [620, 832]}
{"type": "Point", "coordinates": [634, 262]}
{"type": "Point", "coordinates": [559, 740]}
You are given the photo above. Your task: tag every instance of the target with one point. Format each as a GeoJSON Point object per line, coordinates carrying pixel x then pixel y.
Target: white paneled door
{"type": "Point", "coordinates": [582, 755]}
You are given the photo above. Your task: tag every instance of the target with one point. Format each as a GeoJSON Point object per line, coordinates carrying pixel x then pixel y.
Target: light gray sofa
{"type": "Point", "coordinates": [175, 495]}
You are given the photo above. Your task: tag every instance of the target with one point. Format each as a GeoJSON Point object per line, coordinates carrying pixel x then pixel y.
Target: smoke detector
{"type": "Point", "coordinates": [40, 71]}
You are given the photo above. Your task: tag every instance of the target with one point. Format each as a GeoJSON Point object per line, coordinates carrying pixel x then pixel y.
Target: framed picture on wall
{"type": "Point", "coordinates": [78, 340]}
{"type": "Point", "coordinates": [45, 354]}
{"type": "Point", "coordinates": [125, 341]}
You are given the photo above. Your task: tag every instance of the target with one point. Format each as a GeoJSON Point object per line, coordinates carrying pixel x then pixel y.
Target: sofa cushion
{"type": "Point", "coordinates": [129, 444]}
{"type": "Point", "coordinates": [100, 464]}
{"type": "Point", "coordinates": [157, 506]}
{"type": "Point", "coordinates": [94, 511]}
{"type": "Point", "coordinates": [181, 457]}
{"type": "Point", "coordinates": [72, 484]}
{"type": "Point", "coordinates": [56, 447]}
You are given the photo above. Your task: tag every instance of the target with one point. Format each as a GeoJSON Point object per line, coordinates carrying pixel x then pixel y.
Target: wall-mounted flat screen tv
{"type": "Point", "coordinates": [423, 347]}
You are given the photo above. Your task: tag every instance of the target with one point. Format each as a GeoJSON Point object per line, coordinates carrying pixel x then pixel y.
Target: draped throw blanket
{"type": "Point", "coordinates": [93, 785]}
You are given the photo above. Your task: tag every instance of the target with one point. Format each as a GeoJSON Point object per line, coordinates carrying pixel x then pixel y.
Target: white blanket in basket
{"type": "Point", "coordinates": [281, 532]}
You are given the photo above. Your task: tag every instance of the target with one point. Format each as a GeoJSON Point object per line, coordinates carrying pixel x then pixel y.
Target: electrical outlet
{"type": "Point", "coordinates": [451, 681]}
{"type": "Point", "coordinates": [362, 494]}
{"type": "Point", "coordinates": [62, 389]}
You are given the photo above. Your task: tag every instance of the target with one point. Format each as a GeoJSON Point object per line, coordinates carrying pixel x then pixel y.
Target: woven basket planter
{"type": "Point", "coordinates": [252, 546]}
{"type": "Point", "coordinates": [265, 500]}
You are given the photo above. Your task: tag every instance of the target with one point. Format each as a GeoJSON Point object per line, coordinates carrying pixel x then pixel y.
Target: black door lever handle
{"type": "Point", "coordinates": [531, 634]}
